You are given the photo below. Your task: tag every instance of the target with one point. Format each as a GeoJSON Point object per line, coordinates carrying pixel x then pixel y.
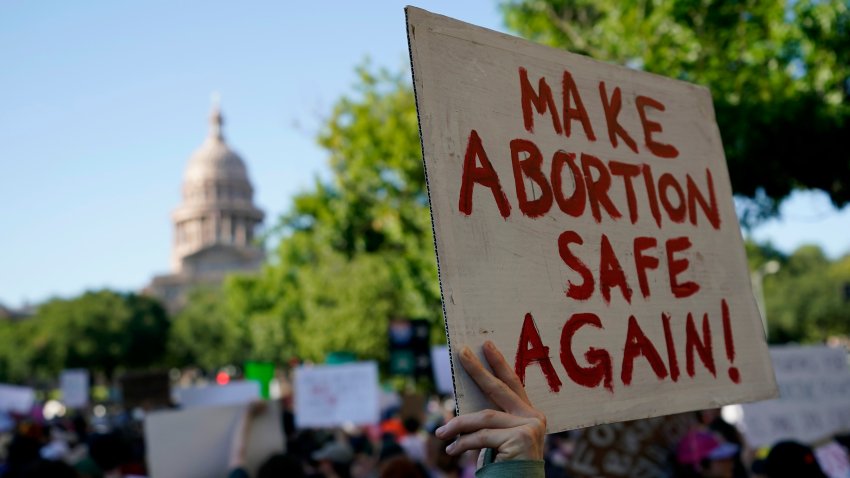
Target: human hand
{"type": "Point", "coordinates": [516, 432]}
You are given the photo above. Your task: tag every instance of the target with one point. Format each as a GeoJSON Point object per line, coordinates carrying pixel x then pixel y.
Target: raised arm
{"type": "Point", "coordinates": [515, 432]}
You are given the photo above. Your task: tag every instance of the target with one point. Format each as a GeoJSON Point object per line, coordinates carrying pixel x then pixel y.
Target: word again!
{"type": "Point", "coordinates": [597, 367]}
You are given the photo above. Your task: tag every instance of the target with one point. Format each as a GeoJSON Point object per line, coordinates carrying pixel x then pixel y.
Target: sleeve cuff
{"type": "Point", "coordinates": [512, 468]}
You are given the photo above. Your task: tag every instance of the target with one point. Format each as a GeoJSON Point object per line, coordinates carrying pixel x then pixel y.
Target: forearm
{"type": "Point", "coordinates": [239, 442]}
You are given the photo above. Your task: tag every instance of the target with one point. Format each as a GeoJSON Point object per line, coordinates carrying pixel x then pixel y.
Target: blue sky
{"type": "Point", "coordinates": [101, 104]}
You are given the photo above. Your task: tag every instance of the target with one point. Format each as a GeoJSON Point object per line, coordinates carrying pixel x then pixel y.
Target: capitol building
{"type": "Point", "coordinates": [214, 227]}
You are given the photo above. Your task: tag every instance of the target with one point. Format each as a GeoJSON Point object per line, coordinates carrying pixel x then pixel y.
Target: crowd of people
{"type": "Point", "coordinates": [433, 444]}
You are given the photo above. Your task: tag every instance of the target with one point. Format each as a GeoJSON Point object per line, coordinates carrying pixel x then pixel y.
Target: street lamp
{"type": "Point", "coordinates": [757, 281]}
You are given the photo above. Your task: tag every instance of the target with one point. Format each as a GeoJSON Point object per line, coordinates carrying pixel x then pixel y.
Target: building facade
{"type": "Point", "coordinates": [215, 226]}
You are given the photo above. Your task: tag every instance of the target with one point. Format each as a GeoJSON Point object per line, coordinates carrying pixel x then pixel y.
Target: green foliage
{"type": "Point", "coordinates": [205, 332]}
{"type": "Point", "coordinates": [357, 250]}
{"type": "Point", "coordinates": [101, 331]}
{"type": "Point", "coordinates": [779, 73]}
{"type": "Point", "coordinates": [805, 299]}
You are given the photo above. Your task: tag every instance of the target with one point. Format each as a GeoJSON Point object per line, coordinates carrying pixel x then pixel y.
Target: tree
{"type": "Point", "coordinates": [779, 73]}
{"type": "Point", "coordinates": [206, 333]}
{"type": "Point", "coordinates": [101, 331]}
{"type": "Point", "coordinates": [357, 250]}
{"type": "Point", "coordinates": [805, 301]}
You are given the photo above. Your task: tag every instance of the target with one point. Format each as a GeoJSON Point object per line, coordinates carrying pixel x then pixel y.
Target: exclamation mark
{"type": "Point", "coordinates": [734, 374]}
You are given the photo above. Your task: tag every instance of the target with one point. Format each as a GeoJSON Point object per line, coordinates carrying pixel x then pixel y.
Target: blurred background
{"type": "Point", "coordinates": [188, 189]}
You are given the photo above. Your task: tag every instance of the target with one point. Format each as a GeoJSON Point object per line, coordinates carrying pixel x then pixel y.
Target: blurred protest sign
{"type": "Point", "coordinates": [146, 390]}
{"type": "Point", "coordinates": [410, 348]}
{"type": "Point", "coordinates": [262, 373]}
{"type": "Point", "coordinates": [233, 393]}
{"type": "Point", "coordinates": [636, 449]}
{"type": "Point", "coordinates": [332, 395]}
{"type": "Point", "coordinates": [196, 443]}
{"type": "Point", "coordinates": [813, 403]}
{"type": "Point", "coordinates": [16, 399]}
{"type": "Point", "coordinates": [832, 458]}
{"type": "Point", "coordinates": [413, 406]}
{"type": "Point", "coordinates": [442, 366]}
{"type": "Point", "coordinates": [584, 223]}
{"type": "Point", "coordinates": [75, 388]}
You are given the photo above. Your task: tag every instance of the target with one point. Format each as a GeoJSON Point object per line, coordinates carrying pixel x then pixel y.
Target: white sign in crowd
{"type": "Point", "coordinates": [236, 392]}
{"type": "Point", "coordinates": [16, 399]}
{"type": "Point", "coordinates": [332, 395]}
{"type": "Point", "coordinates": [75, 387]}
{"type": "Point", "coordinates": [196, 443]}
{"type": "Point", "coordinates": [814, 398]}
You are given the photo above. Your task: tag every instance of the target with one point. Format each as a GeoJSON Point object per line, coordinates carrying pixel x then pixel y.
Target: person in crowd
{"type": "Point", "coordinates": [401, 466]}
{"type": "Point", "coordinates": [513, 436]}
{"type": "Point", "coordinates": [276, 465]}
{"type": "Point", "coordinates": [440, 463]}
{"type": "Point", "coordinates": [703, 454]}
{"type": "Point", "coordinates": [334, 459]}
{"type": "Point", "coordinates": [50, 469]}
{"type": "Point", "coordinates": [789, 459]}
{"type": "Point", "coordinates": [414, 441]}
{"type": "Point", "coordinates": [713, 420]}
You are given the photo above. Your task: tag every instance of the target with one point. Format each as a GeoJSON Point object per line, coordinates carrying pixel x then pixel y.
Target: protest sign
{"type": "Point", "coordinates": [814, 386]}
{"type": "Point", "coordinates": [584, 223]}
{"type": "Point", "coordinates": [16, 399]}
{"type": "Point", "coordinates": [409, 342]}
{"type": "Point", "coordinates": [262, 373]}
{"type": "Point", "coordinates": [333, 395]}
{"type": "Point", "coordinates": [75, 388]}
{"type": "Point", "coordinates": [832, 458]}
{"type": "Point", "coordinates": [210, 395]}
{"type": "Point", "coordinates": [636, 449]}
{"type": "Point", "coordinates": [147, 390]}
{"type": "Point", "coordinates": [196, 443]}
{"type": "Point", "coordinates": [442, 369]}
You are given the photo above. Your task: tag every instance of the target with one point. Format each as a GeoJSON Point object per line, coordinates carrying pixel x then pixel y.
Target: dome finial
{"type": "Point", "coordinates": [216, 119]}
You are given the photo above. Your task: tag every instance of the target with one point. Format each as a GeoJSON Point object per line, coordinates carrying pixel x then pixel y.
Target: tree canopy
{"type": "Point", "coordinates": [357, 250]}
{"type": "Point", "coordinates": [101, 331]}
{"type": "Point", "coordinates": [806, 299]}
{"type": "Point", "coordinates": [779, 72]}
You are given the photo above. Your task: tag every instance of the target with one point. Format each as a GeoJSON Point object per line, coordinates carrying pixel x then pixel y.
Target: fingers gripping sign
{"type": "Point", "coordinates": [515, 432]}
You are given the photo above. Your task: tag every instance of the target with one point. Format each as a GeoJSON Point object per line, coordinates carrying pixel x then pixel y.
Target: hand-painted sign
{"type": "Point", "coordinates": [584, 223]}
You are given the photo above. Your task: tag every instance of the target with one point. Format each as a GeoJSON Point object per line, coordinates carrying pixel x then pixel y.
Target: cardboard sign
{"type": "Point", "coordinates": [813, 404]}
{"type": "Point", "coordinates": [637, 449]}
{"type": "Point", "coordinates": [196, 443]}
{"type": "Point", "coordinates": [233, 393]}
{"type": "Point", "coordinates": [584, 223]}
{"type": "Point", "coordinates": [333, 395]}
{"type": "Point", "coordinates": [16, 399]}
{"type": "Point", "coordinates": [75, 388]}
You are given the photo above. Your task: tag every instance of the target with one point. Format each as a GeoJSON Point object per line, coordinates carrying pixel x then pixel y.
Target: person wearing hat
{"type": "Point", "coordinates": [703, 454]}
{"type": "Point", "coordinates": [790, 459]}
{"type": "Point", "coordinates": [334, 459]}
